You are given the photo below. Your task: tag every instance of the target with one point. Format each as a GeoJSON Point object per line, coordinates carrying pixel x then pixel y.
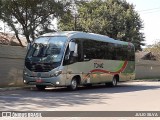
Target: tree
{"type": "Point", "coordinates": [154, 48]}
{"type": "Point", "coordinates": [31, 17]}
{"type": "Point", "coordinates": [114, 18]}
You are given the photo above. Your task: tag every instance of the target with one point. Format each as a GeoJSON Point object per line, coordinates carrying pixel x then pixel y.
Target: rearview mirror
{"type": "Point", "coordinates": [72, 46]}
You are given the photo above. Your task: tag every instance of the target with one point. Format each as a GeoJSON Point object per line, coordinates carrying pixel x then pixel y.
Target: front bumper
{"type": "Point", "coordinates": [51, 81]}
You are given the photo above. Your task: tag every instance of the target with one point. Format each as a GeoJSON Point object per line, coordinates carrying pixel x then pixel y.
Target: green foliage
{"type": "Point", "coordinates": [31, 17]}
{"type": "Point", "coordinates": [114, 18]}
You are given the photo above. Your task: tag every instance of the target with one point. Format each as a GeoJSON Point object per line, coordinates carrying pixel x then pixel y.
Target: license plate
{"type": "Point", "coordinates": [39, 80]}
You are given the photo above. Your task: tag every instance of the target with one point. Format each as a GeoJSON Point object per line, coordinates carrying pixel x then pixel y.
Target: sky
{"type": "Point", "coordinates": [149, 11]}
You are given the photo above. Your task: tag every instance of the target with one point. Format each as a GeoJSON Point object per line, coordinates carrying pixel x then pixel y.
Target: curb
{"type": "Point", "coordinates": [10, 88]}
{"type": "Point", "coordinates": [14, 88]}
{"type": "Point", "coordinates": [147, 80]}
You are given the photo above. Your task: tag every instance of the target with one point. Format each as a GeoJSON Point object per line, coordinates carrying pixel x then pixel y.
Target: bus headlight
{"type": "Point", "coordinates": [24, 81]}
{"type": "Point", "coordinates": [57, 73]}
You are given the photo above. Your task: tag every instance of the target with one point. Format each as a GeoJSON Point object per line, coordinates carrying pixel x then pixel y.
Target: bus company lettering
{"type": "Point", "coordinates": [98, 65]}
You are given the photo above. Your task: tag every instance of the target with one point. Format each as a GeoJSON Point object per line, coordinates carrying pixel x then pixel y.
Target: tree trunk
{"type": "Point", "coordinates": [19, 40]}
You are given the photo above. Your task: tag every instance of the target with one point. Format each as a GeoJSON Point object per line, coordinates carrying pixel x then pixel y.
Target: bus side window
{"type": "Point", "coordinates": [66, 57]}
{"type": "Point", "coordinates": [131, 55]}
{"type": "Point", "coordinates": [120, 52]}
{"type": "Point", "coordinates": [71, 57]}
{"type": "Point", "coordinates": [88, 49]}
{"type": "Point", "coordinates": [80, 56]}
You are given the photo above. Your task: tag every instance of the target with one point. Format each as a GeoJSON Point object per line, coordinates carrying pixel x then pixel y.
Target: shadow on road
{"type": "Point", "coordinates": [123, 87]}
{"type": "Point", "coordinates": [32, 99]}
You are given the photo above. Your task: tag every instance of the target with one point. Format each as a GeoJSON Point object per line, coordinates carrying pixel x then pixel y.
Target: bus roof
{"type": "Point", "coordinates": [78, 34]}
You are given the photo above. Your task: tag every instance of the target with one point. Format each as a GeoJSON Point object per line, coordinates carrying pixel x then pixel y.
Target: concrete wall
{"type": "Point", "coordinates": [12, 63]}
{"type": "Point", "coordinates": [147, 69]}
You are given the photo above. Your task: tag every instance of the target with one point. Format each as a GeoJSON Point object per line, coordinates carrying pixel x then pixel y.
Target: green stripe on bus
{"type": "Point", "coordinates": [119, 67]}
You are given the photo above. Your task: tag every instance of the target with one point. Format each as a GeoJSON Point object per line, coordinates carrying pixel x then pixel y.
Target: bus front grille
{"type": "Point", "coordinates": [40, 67]}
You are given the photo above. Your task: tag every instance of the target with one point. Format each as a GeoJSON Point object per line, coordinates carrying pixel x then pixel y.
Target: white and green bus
{"type": "Point", "coordinates": [72, 59]}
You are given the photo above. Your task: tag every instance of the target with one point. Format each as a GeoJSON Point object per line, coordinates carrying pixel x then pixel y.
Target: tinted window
{"type": "Point", "coordinates": [70, 54]}
{"type": "Point", "coordinates": [103, 50]}
{"type": "Point", "coordinates": [91, 49]}
{"type": "Point", "coordinates": [131, 53]}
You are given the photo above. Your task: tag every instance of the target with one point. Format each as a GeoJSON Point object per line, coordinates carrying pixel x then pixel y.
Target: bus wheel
{"type": "Point", "coordinates": [40, 87]}
{"type": "Point", "coordinates": [74, 84]}
{"type": "Point", "coordinates": [114, 82]}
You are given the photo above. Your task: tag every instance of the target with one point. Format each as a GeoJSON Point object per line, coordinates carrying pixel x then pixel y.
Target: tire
{"type": "Point", "coordinates": [114, 82]}
{"type": "Point", "coordinates": [40, 87]}
{"type": "Point", "coordinates": [74, 84]}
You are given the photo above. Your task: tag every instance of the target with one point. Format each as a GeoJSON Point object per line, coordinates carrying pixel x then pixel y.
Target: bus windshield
{"type": "Point", "coordinates": [47, 49]}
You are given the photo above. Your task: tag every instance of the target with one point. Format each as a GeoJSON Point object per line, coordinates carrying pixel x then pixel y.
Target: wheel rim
{"type": "Point", "coordinates": [114, 82]}
{"type": "Point", "coordinates": [74, 84]}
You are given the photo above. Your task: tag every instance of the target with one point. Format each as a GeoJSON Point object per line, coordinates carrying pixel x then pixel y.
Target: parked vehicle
{"type": "Point", "coordinates": [72, 58]}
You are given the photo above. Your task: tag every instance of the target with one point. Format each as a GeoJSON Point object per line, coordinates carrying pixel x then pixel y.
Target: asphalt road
{"type": "Point", "coordinates": [128, 96]}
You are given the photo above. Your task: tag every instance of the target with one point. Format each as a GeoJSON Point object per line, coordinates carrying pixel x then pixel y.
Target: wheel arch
{"type": "Point", "coordinates": [78, 78]}
{"type": "Point", "coordinates": [117, 77]}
